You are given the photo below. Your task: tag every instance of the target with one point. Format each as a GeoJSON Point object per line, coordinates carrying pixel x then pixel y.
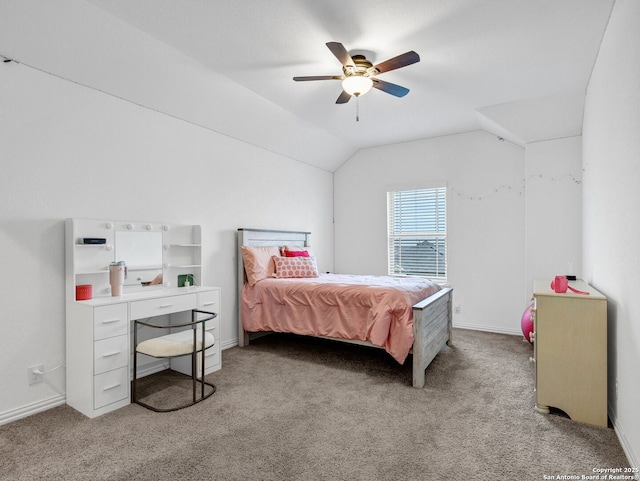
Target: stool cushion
{"type": "Point", "coordinates": [176, 344]}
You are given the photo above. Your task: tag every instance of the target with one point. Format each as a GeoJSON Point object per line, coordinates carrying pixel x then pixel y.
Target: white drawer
{"type": "Point", "coordinates": [209, 301]}
{"type": "Point", "coordinates": [110, 321]}
{"type": "Point", "coordinates": [213, 326]}
{"type": "Point", "coordinates": [110, 354]}
{"type": "Point", "coordinates": [211, 361]}
{"type": "Point", "coordinates": [161, 306]}
{"type": "Point", "coordinates": [110, 387]}
{"type": "Point", "coordinates": [212, 356]}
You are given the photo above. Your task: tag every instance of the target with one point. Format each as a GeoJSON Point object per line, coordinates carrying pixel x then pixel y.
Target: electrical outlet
{"type": "Point", "coordinates": [457, 309]}
{"type": "Point", "coordinates": [34, 375]}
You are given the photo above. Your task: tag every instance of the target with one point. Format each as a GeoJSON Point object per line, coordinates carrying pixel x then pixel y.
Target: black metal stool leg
{"type": "Point", "coordinates": [134, 383]}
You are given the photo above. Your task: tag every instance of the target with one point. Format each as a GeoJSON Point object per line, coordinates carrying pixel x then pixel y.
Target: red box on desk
{"type": "Point", "coordinates": [84, 292]}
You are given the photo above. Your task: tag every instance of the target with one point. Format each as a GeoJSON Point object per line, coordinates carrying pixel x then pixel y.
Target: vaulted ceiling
{"type": "Point", "coordinates": [516, 68]}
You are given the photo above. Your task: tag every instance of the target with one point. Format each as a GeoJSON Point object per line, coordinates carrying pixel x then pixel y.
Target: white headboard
{"type": "Point", "coordinates": [261, 237]}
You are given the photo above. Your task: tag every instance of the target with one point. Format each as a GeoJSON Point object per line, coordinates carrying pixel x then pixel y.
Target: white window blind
{"type": "Point", "coordinates": [417, 233]}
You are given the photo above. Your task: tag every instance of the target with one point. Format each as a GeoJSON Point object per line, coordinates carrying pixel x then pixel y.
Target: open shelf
{"type": "Point", "coordinates": [179, 247]}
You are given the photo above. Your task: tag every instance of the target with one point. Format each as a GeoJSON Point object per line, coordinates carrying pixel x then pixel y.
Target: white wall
{"type": "Point", "coordinates": [611, 150]}
{"type": "Point", "coordinates": [76, 40]}
{"type": "Point", "coordinates": [553, 209]}
{"type": "Point", "coordinates": [485, 214]}
{"type": "Point", "coordinates": [71, 151]}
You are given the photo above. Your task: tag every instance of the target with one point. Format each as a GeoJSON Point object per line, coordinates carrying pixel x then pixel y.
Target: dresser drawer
{"type": "Point", "coordinates": [213, 326]}
{"type": "Point", "coordinates": [110, 354]}
{"type": "Point", "coordinates": [209, 301]}
{"type": "Point", "coordinates": [164, 305]}
{"type": "Point", "coordinates": [212, 358]}
{"type": "Point", "coordinates": [110, 321]}
{"type": "Point", "coordinates": [110, 387]}
{"type": "Point", "coordinates": [212, 362]}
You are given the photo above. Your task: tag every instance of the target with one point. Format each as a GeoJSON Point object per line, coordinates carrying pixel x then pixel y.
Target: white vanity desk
{"type": "Point", "coordinates": [99, 331]}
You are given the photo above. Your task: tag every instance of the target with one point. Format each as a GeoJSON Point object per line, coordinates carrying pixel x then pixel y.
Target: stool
{"type": "Point", "coordinates": [182, 343]}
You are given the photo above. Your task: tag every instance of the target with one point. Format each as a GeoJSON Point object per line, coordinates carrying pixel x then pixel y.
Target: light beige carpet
{"type": "Point", "coordinates": [291, 408]}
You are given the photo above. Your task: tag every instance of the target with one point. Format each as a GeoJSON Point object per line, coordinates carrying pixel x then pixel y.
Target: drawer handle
{"type": "Point", "coordinates": [111, 354]}
{"type": "Point", "coordinates": [112, 386]}
{"type": "Point", "coordinates": [208, 304]}
{"type": "Point", "coordinates": [164, 306]}
{"type": "Point", "coordinates": [532, 359]}
{"type": "Point", "coordinates": [110, 321]}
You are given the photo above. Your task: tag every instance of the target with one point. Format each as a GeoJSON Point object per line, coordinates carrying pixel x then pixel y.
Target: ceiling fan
{"type": "Point", "coordinates": [359, 73]}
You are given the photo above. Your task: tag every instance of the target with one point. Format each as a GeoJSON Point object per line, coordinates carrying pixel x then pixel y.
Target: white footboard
{"type": "Point", "coordinates": [431, 331]}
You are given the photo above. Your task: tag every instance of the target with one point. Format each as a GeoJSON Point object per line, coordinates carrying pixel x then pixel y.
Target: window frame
{"type": "Point", "coordinates": [438, 236]}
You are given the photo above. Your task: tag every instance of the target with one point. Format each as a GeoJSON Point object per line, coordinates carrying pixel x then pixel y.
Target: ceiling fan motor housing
{"type": "Point", "coordinates": [362, 67]}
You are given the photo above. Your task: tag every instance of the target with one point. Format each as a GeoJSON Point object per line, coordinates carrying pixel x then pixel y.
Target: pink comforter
{"type": "Point", "coordinates": [377, 309]}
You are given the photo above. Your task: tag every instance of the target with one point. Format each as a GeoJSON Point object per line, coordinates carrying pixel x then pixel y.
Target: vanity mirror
{"type": "Point", "coordinates": [141, 252]}
{"type": "Point", "coordinates": [156, 255]}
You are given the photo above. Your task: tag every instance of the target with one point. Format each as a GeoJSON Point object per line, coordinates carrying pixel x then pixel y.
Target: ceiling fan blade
{"type": "Point", "coordinates": [341, 54]}
{"type": "Point", "coordinates": [396, 62]}
{"type": "Point", "coordinates": [343, 98]}
{"type": "Point", "coordinates": [390, 88]}
{"type": "Point", "coordinates": [318, 77]}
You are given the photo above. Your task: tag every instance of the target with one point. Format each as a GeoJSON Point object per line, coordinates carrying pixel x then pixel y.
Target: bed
{"type": "Point", "coordinates": [401, 315]}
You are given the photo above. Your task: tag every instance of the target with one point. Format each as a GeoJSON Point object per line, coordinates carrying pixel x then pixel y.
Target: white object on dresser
{"type": "Point", "coordinates": [570, 351]}
{"type": "Point", "coordinates": [98, 330]}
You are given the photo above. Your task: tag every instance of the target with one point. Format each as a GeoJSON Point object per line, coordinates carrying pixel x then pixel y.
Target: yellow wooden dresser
{"type": "Point", "coordinates": [570, 351]}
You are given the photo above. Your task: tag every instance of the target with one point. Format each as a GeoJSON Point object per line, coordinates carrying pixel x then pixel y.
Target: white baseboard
{"type": "Point", "coordinates": [497, 330]}
{"type": "Point", "coordinates": [229, 344]}
{"type": "Point", "coordinates": [150, 368]}
{"type": "Point", "coordinates": [632, 457]}
{"type": "Point", "coordinates": [33, 408]}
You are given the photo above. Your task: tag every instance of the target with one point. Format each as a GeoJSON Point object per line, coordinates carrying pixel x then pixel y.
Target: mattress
{"type": "Point", "coordinates": [375, 309]}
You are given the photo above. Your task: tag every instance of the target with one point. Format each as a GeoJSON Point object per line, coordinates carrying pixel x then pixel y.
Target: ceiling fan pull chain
{"type": "Point", "coordinates": [357, 108]}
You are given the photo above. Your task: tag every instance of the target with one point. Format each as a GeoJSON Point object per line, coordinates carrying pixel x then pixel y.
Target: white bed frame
{"type": "Point", "coordinates": [432, 327]}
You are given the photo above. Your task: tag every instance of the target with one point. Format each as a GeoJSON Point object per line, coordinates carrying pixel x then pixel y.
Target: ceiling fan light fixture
{"type": "Point", "coordinates": [357, 85]}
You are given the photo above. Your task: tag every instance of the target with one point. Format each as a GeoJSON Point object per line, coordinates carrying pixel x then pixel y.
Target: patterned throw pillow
{"type": "Point", "coordinates": [295, 267]}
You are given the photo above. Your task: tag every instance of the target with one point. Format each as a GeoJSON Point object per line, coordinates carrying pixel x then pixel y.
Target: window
{"type": "Point", "coordinates": [417, 233]}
